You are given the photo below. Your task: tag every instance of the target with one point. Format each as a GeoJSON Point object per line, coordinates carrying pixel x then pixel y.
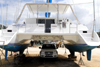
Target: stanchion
{"type": "Point", "coordinates": [81, 61]}
{"type": "Point", "coordinates": [0, 59]}
{"type": "Point", "coordinates": [65, 52]}
{"type": "Point", "coordinates": [27, 51]}
{"type": "Point", "coordinates": [4, 56]}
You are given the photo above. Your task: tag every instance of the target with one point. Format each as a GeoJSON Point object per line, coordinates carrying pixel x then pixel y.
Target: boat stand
{"type": "Point", "coordinates": [0, 58]}
{"type": "Point", "coordinates": [27, 51]}
{"type": "Point", "coordinates": [65, 53]}
{"type": "Point", "coordinates": [81, 61]}
{"type": "Point", "coordinates": [4, 56]}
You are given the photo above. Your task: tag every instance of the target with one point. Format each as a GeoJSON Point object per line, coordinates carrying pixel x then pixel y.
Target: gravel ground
{"type": "Point", "coordinates": [33, 60]}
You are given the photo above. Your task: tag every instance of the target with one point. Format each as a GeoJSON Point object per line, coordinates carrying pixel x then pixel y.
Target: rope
{"type": "Point", "coordinates": [75, 12]}
{"type": "Point", "coordinates": [82, 3]}
{"type": "Point", "coordinates": [74, 7]}
{"type": "Point", "coordinates": [94, 19]}
{"type": "Point", "coordinates": [98, 14]}
{"type": "Point", "coordinates": [0, 57]}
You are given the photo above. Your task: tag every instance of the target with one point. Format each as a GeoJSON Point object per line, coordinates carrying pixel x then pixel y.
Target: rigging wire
{"type": "Point", "coordinates": [2, 15]}
{"type": "Point", "coordinates": [63, 15]}
{"type": "Point", "coordinates": [75, 10]}
{"type": "Point", "coordinates": [33, 1]}
{"type": "Point", "coordinates": [74, 7]}
{"type": "Point", "coordinates": [6, 24]}
{"type": "Point", "coordinates": [15, 14]}
{"type": "Point", "coordinates": [0, 11]}
{"type": "Point", "coordinates": [91, 27]}
{"type": "Point", "coordinates": [18, 8]}
{"type": "Point", "coordinates": [94, 19]}
{"type": "Point", "coordinates": [98, 14]}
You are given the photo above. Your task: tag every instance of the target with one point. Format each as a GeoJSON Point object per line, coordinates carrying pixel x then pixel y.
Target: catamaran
{"type": "Point", "coordinates": [49, 28]}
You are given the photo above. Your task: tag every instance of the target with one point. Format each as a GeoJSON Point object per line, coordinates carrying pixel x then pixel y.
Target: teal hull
{"type": "Point", "coordinates": [79, 48]}
{"type": "Point", "coordinates": [15, 48]}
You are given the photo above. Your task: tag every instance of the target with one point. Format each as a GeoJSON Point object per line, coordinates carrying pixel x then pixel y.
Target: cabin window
{"type": "Point", "coordinates": [64, 24]}
{"type": "Point", "coordinates": [67, 20]}
{"type": "Point", "coordinates": [47, 23]}
{"type": "Point", "coordinates": [9, 30]}
{"type": "Point", "coordinates": [43, 21]}
{"type": "Point", "coordinates": [60, 21]}
{"type": "Point", "coordinates": [23, 22]}
{"type": "Point", "coordinates": [84, 31]}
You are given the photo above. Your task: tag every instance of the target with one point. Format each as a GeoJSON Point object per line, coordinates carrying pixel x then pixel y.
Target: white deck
{"type": "Point", "coordinates": [48, 33]}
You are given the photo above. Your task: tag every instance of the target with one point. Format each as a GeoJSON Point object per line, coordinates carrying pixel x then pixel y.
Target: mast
{"type": "Point", "coordinates": [33, 1]}
{"type": "Point", "coordinates": [1, 16]}
{"type": "Point", "coordinates": [94, 18]}
{"type": "Point", "coordinates": [15, 16]}
{"type": "Point", "coordinates": [6, 15]}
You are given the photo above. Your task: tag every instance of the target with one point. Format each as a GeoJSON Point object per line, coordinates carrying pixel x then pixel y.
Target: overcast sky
{"type": "Point", "coordinates": [84, 12]}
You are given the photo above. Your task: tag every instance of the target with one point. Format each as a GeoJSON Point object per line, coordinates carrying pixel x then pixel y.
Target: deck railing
{"type": "Point", "coordinates": [3, 43]}
{"type": "Point", "coordinates": [30, 27]}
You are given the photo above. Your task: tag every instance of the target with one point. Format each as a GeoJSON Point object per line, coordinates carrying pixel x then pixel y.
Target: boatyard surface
{"type": "Point", "coordinates": [33, 60]}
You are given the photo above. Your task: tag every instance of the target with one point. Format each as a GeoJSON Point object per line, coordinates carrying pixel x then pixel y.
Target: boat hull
{"type": "Point", "coordinates": [15, 47]}
{"type": "Point", "coordinates": [79, 48]}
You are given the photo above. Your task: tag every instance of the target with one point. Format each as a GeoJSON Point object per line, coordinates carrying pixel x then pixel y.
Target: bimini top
{"type": "Point", "coordinates": [47, 7]}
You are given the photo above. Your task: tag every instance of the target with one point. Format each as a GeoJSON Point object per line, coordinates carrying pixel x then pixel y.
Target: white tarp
{"type": "Point", "coordinates": [47, 7]}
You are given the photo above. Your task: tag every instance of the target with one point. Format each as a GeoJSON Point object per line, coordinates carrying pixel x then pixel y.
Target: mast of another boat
{"type": "Point", "coordinates": [33, 1]}
{"type": "Point", "coordinates": [6, 15]}
{"type": "Point", "coordinates": [1, 16]}
{"type": "Point", "coordinates": [94, 18]}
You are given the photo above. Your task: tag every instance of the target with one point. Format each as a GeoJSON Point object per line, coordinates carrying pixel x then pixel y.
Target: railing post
{"type": "Point", "coordinates": [77, 27]}
{"type": "Point", "coordinates": [69, 28]}
{"type": "Point", "coordinates": [25, 28]}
